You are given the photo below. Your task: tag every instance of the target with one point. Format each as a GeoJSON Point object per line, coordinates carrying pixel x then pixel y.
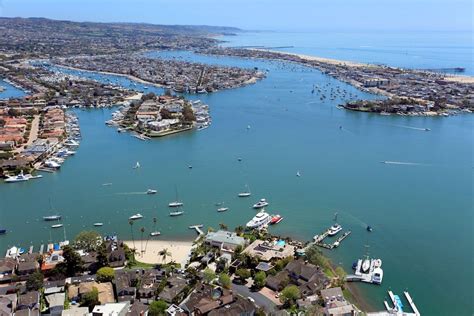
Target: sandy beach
{"type": "Point", "coordinates": [179, 250]}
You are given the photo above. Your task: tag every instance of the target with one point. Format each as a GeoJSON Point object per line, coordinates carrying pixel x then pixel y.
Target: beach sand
{"type": "Point", "coordinates": [180, 250]}
{"type": "Point", "coordinates": [460, 78]}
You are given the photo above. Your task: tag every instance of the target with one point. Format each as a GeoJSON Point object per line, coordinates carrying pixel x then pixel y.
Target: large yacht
{"type": "Point", "coordinates": [18, 178]}
{"type": "Point", "coordinates": [136, 216]}
{"type": "Point", "coordinates": [260, 204]}
{"type": "Point", "coordinates": [336, 228]}
{"type": "Point", "coordinates": [260, 220]}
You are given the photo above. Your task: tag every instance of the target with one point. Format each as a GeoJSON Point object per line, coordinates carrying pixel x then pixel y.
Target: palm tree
{"type": "Point", "coordinates": [164, 253]}
{"type": "Point", "coordinates": [130, 222]}
{"type": "Point", "coordinates": [142, 230]}
{"type": "Point", "coordinates": [154, 230]}
{"type": "Point", "coordinates": [239, 229]}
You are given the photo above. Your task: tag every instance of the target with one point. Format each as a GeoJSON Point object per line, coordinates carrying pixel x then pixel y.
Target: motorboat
{"type": "Point", "coordinates": [154, 234]}
{"type": "Point", "coordinates": [334, 229]}
{"type": "Point", "coordinates": [71, 143]}
{"type": "Point", "coordinates": [260, 204]}
{"type": "Point", "coordinates": [222, 209]}
{"type": "Point", "coordinates": [176, 213]}
{"type": "Point", "coordinates": [3, 231]}
{"type": "Point", "coordinates": [276, 219]}
{"type": "Point", "coordinates": [298, 174]}
{"type": "Point", "coordinates": [18, 178]}
{"type": "Point", "coordinates": [365, 267]}
{"type": "Point", "coordinates": [369, 228]}
{"type": "Point", "coordinates": [260, 220]}
{"type": "Point", "coordinates": [150, 191]}
{"type": "Point", "coordinates": [98, 224]}
{"type": "Point", "coordinates": [52, 218]}
{"type": "Point", "coordinates": [137, 165]}
{"type": "Point", "coordinates": [56, 225]}
{"type": "Point", "coordinates": [135, 216]}
{"type": "Point", "coordinates": [52, 164]}
{"type": "Point", "coordinates": [175, 204]}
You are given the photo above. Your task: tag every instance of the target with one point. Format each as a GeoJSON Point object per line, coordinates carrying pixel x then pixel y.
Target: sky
{"type": "Point", "coordinates": [297, 15]}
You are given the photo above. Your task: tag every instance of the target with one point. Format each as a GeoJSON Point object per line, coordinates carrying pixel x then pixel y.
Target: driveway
{"type": "Point", "coordinates": [260, 300]}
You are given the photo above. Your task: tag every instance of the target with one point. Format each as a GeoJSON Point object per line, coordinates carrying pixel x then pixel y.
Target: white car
{"type": "Point", "coordinates": [251, 299]}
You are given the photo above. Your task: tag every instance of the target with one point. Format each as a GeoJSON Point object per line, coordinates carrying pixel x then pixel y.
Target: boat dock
{"type": "Point", "coordinates": [397, 308]}
{"type": "Point", "coordinates": [373, 275]}
{"type": "Point", "coordinates": [319, 240]}
{"type": "Point", "coordinates": [198, 229]}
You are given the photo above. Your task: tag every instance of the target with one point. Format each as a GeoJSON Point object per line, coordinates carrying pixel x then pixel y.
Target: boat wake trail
{"type": "Point", "coordinates": [130, 193]}
{"type": "Point", "coordinates": [413, 127]}
{"type": "Point", "coordinates": [403, 163]}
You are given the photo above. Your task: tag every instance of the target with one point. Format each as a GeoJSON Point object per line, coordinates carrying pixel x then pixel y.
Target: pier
{"type": "Point", "coordinates": [198, 229]}
{"type": "Point", "coordinates": [319, 240]}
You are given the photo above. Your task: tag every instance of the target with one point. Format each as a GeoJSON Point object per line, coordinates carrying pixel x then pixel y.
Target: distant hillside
{"type": "Point", "coordinates": [45, 37]}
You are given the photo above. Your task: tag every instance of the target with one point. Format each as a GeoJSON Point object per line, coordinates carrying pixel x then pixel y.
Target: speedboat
{"type": "Point", "coordinates": [3, 231]}
{"type": "Point", "coordinates": [276, 219]}
{"type": "Point", "coordinates": [150, 191]}
{"type": "Point", "coordinates": [175, 204]}
{"type": "Point", "coordinates": [260, 204]}
{"type": "Point", "coordinates": [336, 228]}
{"type": "Point", "coordinates": [176, 213]}
{"type": "Point", "coordinates": [260, 220]}
{"type": "Point", "coordinates": [137, 165]}
{"type": "Point", "coordinates": [98, 224]}
{"type": "Point", "coordinates": [56, 225]}
{"type": "Point", "coordinates": [136, 216]}
{"type": "Point", "coordinates": [298, 174]}
{"type": "Point", "coordinates": [52, 218]}
{"type": "Point", "coordinates": [154, 234]}
{"type": "Point", "coordinates": [365, 267]}
{"type": "Point", "coordinates": [222, 209]}
{"type": "Point", "coordinates": [52, 164]}
{"type": "Point", "coordinates": [369, 228]}
{"type": "Point", "coordinates": [18, 178]}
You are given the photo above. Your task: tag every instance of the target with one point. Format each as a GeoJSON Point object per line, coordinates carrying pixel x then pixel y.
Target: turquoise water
{"type": "Point", "coordinates": [421, 212]}
{"type": "Point", "coordinates": [432, 50]}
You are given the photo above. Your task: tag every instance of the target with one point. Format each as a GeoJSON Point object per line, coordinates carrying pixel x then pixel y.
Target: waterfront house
{"type": "Point", "coordinates": [268, 250]}
{"type": "Point", "coordinates": [224, 240]}
{"type": "Point", "coordinates": [335, 304]}
{"type": "Point", "coordinates": [7, 268]}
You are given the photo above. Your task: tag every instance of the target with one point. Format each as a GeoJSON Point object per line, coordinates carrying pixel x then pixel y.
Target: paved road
{"type": "Point", "coordinates": [260, 300]}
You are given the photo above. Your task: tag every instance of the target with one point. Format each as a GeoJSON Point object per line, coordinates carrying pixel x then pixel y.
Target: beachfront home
{"type": "Point", "coordinates": [224, 240]}
{"type": "Point", "coordinates": [269, 250]}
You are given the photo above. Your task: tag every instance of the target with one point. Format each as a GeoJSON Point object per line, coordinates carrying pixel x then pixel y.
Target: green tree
{"type": "Point", "coordinates": [72, 263]}
{"type": "Point", "coordinates": [209, 275]}
{"type": "Point", "coordinates": [239, 229]}
{"type": "Point", "coordinates": [224, 280]}
{"type": "Point", "coordinates": [188, 114]}
{"type": "Point", "coordinates": [105, 274]}
{"type": "Point", "coordinates": [341, 276]}
{"type": "Point", "coordinates": [290, 294]}
{"type": "Point", "coordinates": [164, 253]}
{"type": "Point", "coordinates": [88, 241]}
{"type": "Point", "coordinates": [34, 281]}
{"type": "Point", "coordinates": [157, 308]}
{"type": "Point", "coordinates": [243, 273]}
{"type": "Point", "coordinates": [260, 279]}
{"type": "Point", "coordinates": [90, 299]}
{"type": "Point", "coordinates": [316, 257]}
{"type": "Point", "coordinates": [223, 226]}
{"type": "Point", "coordinates": [102, 256]}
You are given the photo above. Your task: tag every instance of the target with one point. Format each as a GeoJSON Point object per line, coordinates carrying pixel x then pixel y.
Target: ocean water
{"type": "Point", "coordinates": [421, 210]}
{"type": "Point", "coordinates": [420, 50]}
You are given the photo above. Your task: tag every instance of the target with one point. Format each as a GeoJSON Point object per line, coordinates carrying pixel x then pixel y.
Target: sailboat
{"type": "Point", "coordinates": [222, 208]}
{"type": "Point", "coordinates": [137, 165]}
{"type": "Point", "coordinates": [176, 203]}
{"type": "Point", "coordinates": [178, 212]}
{"type": "Point", "coordinates": [246, 193]}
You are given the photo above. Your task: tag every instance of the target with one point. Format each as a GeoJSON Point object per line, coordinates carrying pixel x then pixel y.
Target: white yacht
{"type": "Point", "coordinates": [151, 191]}
{"type": "Point", "coordinates": [260, 204]}
{"type": "Point", "coordinates": [136, 216]}
{"type": "Point", "coordinates": [176, 213]}
{"type": "Point", "coordinates": [98, 224]}
{"type": "Point", "coordinates": [154, 234]}
{"type": "Point", "coordinates": [222, 209]}
{"type": "Point", "coordinates": [52, 164]}
{"type": "Point", "coordinates": [334, 229]}
{"type": "Point", "coordinates": [260, 220]}
{"type": "Point", "coordinates": [52, 218]}
{"type": "Point", "coordinates": [176, 203]}
{"type": "Point", "coordinates": [18, 178]}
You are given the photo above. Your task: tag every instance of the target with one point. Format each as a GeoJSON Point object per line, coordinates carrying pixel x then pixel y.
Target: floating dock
{"type": "Point", "coordinates": [374, 275]}
{"type": "Point", "coordinates": [198, 229]}
{"type": "Point", "coordinates": [319, 240]}
{"type": "Point", "coordinates": [397, 308]}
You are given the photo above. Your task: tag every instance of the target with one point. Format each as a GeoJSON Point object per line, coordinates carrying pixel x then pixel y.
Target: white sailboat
{"type": "Point", "coordinates": [137, 165]}
{"type": "Point", "coordinates": [176, 203]}
{"type": "Point", "coordinates": [246, 193]}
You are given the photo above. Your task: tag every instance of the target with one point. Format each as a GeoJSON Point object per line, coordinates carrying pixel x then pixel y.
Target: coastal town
{"type": "Point", "coordinates": [411, 92]}
{"type": "Point", "coordinates": [242, 272]}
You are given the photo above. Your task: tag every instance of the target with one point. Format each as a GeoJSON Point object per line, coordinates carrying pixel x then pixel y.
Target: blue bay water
{"type": "Point", "coordinates": [421, 213]}
{"type": "Point", "coordinates": [420, 50]}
